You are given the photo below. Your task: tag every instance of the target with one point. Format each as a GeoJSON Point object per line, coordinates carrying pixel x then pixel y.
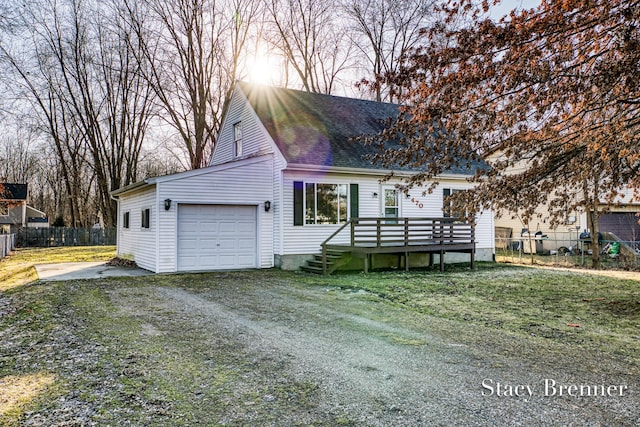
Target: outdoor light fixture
{"type": "Point", "coordinates": [167, 204]}
{"type": "Point", "coordinates": [375, 195]}
{"type": "Point", "coordinates": [267, 206]}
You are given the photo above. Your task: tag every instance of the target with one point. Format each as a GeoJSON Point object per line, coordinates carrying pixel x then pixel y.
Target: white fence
{"type": "Point", "coordinates": [7, 243]}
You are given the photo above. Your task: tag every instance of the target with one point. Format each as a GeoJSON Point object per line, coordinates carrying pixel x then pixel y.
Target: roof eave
{"type": "Point", "coordinates": [366, 171]}
{"type": "Point", "coordinates": [140, 185]}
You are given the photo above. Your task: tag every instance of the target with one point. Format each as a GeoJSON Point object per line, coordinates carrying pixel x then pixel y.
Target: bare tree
{"type": "Point", "coordinates": [309, 37]}
{"type": "Point", "coordinates": [192, 50]}
{"type": "Point", "coordinates": [74, 65]}
{"type": "Point", "coordinates": [18, 161]}
{"type": "Point", "coordinates": [383, 31]}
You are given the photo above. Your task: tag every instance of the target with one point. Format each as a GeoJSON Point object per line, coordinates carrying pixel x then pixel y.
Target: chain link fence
{"type": "Point", "coordinates": [543, 250]}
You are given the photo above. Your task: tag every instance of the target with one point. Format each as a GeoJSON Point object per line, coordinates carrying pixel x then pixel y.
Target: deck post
{"type": "Point", "coordinates": [473, 257]}
{"type": "Point", "coordinates": [406, 261]}
{"type": "Point", "coordinates": [441, 261]}
{"type": "Point", "coordinates": [378, 232]}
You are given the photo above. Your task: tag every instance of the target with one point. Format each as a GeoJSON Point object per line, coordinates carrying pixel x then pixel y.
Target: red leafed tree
{"type": "Point", "coordinates": [555, 91]}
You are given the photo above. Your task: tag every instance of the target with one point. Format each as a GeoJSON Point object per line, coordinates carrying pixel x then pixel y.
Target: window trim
{"type": "Point", "coordinates": [446, 210]}
{"type": "Point", "coordinates": [145, 220]}
{"type": "Point", "coordinates": [126, 220]}
{"type": "Point", "coordinates": [237, 139]}
{"type": "Point", "coordinates": [347, 208]}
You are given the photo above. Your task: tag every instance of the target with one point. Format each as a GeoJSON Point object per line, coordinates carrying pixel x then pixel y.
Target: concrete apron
{"type": "Point", "coordinates": [84, 270]}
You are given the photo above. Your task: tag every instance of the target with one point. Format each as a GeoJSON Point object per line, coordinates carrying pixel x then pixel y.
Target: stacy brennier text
{"type": "Point", "coordinates": [550, 387]}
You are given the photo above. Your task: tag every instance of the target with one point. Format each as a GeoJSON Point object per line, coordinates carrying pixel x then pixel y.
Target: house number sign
{"type": "Point", "coordinates": [417, 202]}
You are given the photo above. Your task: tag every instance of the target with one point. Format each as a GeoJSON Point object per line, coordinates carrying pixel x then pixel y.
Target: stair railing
{"type": "Point", "coordinates": [324, 244]}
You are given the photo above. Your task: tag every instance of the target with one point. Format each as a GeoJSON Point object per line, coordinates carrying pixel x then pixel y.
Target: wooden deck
{"type": "Point", "coordinates": [401, 236]}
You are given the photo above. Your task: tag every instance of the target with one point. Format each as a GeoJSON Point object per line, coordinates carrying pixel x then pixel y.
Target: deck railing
{"type": "Point", "coordinates": [379, 232]}
{"type": "Point", "coordinates": [401, 232]}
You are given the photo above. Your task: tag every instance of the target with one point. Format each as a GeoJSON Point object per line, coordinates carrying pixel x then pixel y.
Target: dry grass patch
{"type": "Point", "coordinates": [16, 391]}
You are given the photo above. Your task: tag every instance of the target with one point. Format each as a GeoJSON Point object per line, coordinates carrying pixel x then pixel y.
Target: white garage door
{"type": "Point", "coordinates": [216, 237]}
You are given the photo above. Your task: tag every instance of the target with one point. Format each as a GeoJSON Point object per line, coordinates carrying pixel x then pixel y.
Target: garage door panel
{"type": "Point", "coordinates": [245, 260]}
{"type": "Point", "coordinates": [244, 243]}
{"type": "Point", "coordinates": [228, 244]}
{"type": "Point", "coordinates": [212, 237]}
{"type": "Point", "coordinates": [188, 244]}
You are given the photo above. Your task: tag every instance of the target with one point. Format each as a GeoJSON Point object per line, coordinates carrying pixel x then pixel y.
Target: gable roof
{"type": "Point", "coordinates": [316, 129]}
{"type": "Point", "coordinates": [9, 191]}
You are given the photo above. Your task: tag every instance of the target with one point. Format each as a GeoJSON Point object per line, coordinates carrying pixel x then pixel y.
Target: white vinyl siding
{"type": "Point", "coordinates": [307, 239]}
{"type": "Point", "coordinates": [278, 204]}
{"type": "Point", "coordinates": [135, 241]}
{"type": "Point", "coordinates": [255, 138]}
{"type": "Point", "coordinates": [246, 183]}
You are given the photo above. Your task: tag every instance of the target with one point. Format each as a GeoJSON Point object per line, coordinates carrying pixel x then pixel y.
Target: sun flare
{"type": "Point", "coordinates": [264, 69]}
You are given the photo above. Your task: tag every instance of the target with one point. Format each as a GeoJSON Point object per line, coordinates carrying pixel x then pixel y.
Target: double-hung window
{"type": "Point", "coordinates": [447, 210]}
{"type": "Point", "coordinates": [237, 139]}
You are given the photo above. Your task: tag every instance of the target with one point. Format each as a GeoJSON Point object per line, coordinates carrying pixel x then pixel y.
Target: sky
{"type": "Point", "coordinates": [507, 5]}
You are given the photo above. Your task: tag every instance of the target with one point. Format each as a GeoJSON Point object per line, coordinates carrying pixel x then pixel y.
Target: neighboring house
{"type": "Point", "coordinates": [620, 219]}
{"type": "Point", "coordinates": [284, 176]}
{"type": "Point", "coordinates": [14, 211]}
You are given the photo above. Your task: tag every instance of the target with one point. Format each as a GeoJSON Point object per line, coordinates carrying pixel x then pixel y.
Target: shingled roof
{"type": "Point", "coordinates": [9, 191]}
{"type": "Point", "coordinates": [316, 129]}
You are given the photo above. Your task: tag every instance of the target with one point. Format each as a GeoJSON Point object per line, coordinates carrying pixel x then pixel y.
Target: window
{"type": "Point", "coordinates": [446, 204]}
{"type": "Point", "coordinates": [237, 139]}
{"type": "Point", "coordinates": [146, 216]}
{"type": "Point", "coordinates": [325, 203]}
{"type": "Point", "coordinates": [4, 209]}
{"type": "Point", "coordinates": [315, 203]}
{"type": "Point", "coordinates": [125, 220]}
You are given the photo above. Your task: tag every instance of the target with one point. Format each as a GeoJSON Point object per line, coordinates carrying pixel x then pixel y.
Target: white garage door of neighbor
{"type": "Point", "coordinates": [216, 237]}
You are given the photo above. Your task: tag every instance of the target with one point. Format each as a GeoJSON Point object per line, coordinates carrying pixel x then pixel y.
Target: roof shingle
{"type": "Point", "coordinates": [317, 129]}
{"type": "Point", "coordinates": [9, 191]}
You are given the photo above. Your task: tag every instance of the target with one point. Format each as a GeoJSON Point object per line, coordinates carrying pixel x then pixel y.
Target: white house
{"type": "Point", "coordinates": [618, 218]}
{"type": "Point", "coordinates": [284, 176]}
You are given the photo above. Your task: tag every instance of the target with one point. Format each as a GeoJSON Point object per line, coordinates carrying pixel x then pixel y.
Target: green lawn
{"type": "Point", "coordinates": [18, 269]}
{"type": "Point", "coordinates": [590, 310]}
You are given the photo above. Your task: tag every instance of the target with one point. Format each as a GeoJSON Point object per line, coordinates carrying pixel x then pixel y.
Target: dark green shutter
{"type": "Point", "coordinates": [354, 200]}
{"type": "Point", "coordinates": [298, 203]}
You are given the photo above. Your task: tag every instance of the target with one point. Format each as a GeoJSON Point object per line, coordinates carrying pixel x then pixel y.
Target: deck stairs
{"type": "Point", "coordinates": [335, 259]}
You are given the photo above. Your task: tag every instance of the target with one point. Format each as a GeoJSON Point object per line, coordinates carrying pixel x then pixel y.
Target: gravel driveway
{"type": "Point", "coordinates": [371, 364]}
{"type": "Point", "coordinates": [262, 349]}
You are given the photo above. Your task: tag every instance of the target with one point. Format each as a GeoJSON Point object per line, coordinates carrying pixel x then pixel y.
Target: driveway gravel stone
{"type": "Point", "coordinates": [377, 365]}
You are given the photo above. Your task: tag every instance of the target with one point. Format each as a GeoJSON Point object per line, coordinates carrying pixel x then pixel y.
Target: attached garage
{"type": "Point", "coordinates": [214, 237]}
{"type": "Point", "coordinates": [215, 218]}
